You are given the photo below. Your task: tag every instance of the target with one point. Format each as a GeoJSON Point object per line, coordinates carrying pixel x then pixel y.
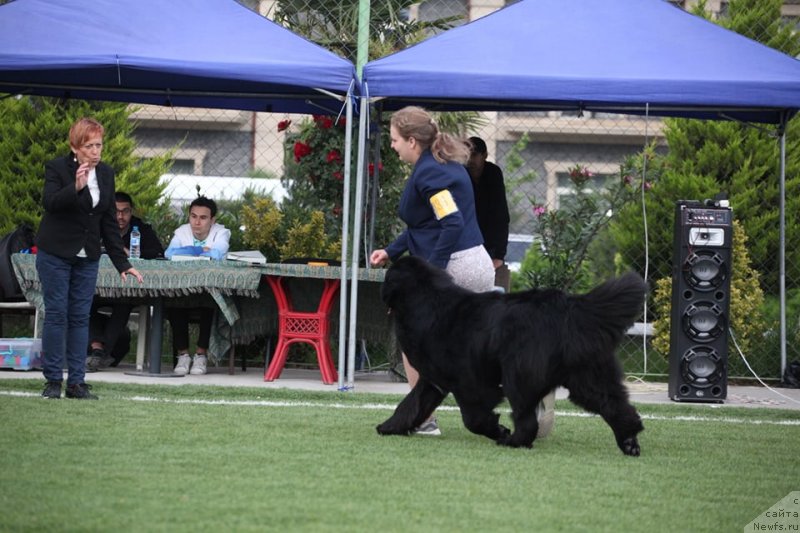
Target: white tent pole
{"type": "Point", "coordinates": [782, 233]}
{"type": "Point", "coordinates": [348, 143]}
{"type": "Point", "coordinates": [359, 214]}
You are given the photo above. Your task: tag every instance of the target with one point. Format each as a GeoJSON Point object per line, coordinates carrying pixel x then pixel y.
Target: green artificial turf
{"type": "Point", "coordinates": [190, 458]}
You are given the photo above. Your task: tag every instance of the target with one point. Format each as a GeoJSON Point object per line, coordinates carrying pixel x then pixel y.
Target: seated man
{"type": "Point", "coordinates": [201, 236]}
{"type": "Point", "coordinates": [109, 339]}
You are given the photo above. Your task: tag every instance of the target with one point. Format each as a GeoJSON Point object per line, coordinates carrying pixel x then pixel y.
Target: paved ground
{"type": "Point", "coordinates": [381, 382]}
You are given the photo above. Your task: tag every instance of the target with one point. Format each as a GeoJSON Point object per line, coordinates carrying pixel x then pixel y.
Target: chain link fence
{"type": "Point", "coordinates": [222, 154]}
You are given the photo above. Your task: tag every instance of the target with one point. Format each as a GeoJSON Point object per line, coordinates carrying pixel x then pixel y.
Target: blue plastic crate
{"type": "Point", "coordinates": [21, 353]}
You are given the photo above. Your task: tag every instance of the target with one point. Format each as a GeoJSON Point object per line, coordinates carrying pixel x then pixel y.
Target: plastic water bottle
{"type": "Point", "coordinates": [136, 243]}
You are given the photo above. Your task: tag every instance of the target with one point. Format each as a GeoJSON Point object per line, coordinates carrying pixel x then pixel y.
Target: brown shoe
{"type": "Point", "coordinates": [52, 390]}
{"type": "Point", "coordinates": [80, 392]}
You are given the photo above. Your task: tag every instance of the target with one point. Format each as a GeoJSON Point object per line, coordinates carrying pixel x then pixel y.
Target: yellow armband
{"type": "Point", "coordinates": [443, 204]}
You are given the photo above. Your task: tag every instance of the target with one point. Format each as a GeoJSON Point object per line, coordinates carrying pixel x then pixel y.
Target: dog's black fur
{"type": "Point", "coordinates": [485, 346]}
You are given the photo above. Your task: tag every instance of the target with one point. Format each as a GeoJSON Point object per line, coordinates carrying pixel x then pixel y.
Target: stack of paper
{"type": "Point", "coordinates": [248, 256]}
{"type": "Point", "coordinates": [180, 257]}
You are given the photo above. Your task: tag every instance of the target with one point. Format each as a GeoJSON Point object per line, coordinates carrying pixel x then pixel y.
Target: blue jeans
{"type": "Point", "coordinates": [68, 288]}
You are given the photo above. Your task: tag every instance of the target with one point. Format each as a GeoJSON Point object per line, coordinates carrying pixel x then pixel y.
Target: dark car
{"type": "Point", "coordinates": [518, 245]}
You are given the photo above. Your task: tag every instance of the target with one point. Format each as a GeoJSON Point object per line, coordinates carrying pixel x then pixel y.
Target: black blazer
{"type": "Point", "coordinates": [70, 222]}
{"type": "Point", "coordinates": [491, 208]}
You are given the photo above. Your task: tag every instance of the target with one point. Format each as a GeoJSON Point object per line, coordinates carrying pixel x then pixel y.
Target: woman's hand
{"type": "Point", "coordinates": [82, 176]}
{"type": "Point", "coordinates": [378, 258]}
{"type": "Point", "coordinates": [133, 272]}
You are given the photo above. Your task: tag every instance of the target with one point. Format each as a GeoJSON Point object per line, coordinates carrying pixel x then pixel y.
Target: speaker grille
{"type": "Point", "coordinates": [702, 367]}
{"type": "Point", "coordinates": [704, 321]}
{"type": "Point", "coordinates": [705, 270]}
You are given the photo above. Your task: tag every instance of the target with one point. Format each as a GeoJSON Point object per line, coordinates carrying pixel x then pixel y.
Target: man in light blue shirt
{"type": "Point", "coordinates": [202, 236]}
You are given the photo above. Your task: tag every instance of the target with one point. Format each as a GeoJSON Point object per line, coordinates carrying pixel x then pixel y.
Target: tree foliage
{"type": "Point", "coordinates": [262, 221]}
{"type": "Point", "coordinates": [309, 239]}
{"type": "Point", "coordinates": [567, 233]}
{"type": "Point", "coordinates": [667, 185]}
{"type": "Point", "coordinates": [334, 24]}
{"type": "Point", "coordinates": [35, 130]}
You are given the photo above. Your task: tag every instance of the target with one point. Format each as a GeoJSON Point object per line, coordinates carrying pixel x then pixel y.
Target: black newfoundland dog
{"type": "Point", "coordinates": [485, 346]}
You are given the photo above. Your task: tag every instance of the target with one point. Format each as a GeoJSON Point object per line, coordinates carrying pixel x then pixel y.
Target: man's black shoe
{"type": "Point", "coordinates": [95, 360]}
{"type": "Point", "coordinates": [105, 362]}
{"type": "Point", "coordinates": [52, 390]}
{"type": "Point", "coordinates": [80, 392]}
{"type": "Point", "coordinates": [791, 376]}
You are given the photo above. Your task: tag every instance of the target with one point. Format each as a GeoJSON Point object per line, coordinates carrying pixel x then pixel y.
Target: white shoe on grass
{"type": "Point", "coordinates": [429, 428]}
{"type": "Point", "coordinates": [199, 365]}
{"type": "Point", "coordinates": [182, 367]}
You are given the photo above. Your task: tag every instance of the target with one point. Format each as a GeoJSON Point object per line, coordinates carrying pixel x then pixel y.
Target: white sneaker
{"type": "Point", "coordinates": [182, 367]}
{"type": "Point", "coordinates": [429, 427]}
{"type": "Point", "coordinates": [199, 365]}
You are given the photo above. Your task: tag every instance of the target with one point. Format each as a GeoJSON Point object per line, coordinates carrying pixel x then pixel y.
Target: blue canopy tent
{"type": "Point", "coordinates": [643, 57]}
{"type": "Point", "coordinates": [626, 56]}
{"type": "Point", "coordinates": [197, 53]}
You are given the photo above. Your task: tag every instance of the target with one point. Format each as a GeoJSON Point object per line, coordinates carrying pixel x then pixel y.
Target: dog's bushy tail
{"type": "Point", "coordinates": [604, 314]}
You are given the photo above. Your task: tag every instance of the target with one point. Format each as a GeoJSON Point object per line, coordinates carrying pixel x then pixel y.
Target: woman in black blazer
{"type": "Point", "coordinates": [79, 211]}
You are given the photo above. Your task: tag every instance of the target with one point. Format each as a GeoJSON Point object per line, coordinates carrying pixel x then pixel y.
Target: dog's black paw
{"type": "Point", "coordinates": [511, 442]}
{"type": "Point", "coordinates": [385, 429]}
{"type": "Point", "coordinates": [630, 446]}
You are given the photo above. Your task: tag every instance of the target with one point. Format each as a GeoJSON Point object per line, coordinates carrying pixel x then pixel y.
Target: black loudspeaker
{"type": "Point", "coordinates": [701, 280]}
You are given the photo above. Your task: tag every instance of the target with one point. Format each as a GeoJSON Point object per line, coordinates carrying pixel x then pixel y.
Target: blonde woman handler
{"type": "Point", "coordinates": [438, 207]}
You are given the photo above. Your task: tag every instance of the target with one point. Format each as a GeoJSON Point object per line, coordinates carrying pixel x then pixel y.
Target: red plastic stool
{"type": "Point", "coordinates": [310, 327]}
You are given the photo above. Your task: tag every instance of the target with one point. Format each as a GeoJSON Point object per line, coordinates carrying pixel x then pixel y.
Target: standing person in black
{"type": "Point", "coordinates": [491, 207]}
{"type": "Point", "coordinates": [78, 202]}
{"type": "Point", "coordinates": [109, 339]}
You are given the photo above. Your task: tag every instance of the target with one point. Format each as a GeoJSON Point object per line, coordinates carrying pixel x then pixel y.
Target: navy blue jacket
{"type": "Point", "coordinates": [425, 236]}
{"type": "Point", "coordinates": [70, 222]}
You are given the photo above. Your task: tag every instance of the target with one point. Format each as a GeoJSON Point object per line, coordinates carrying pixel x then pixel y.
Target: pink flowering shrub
{"type": "Point", "coordinates": [560, 259]}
